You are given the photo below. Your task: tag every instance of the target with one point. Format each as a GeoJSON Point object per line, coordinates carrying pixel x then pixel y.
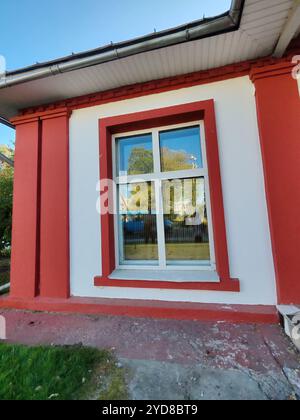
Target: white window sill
{"type": "Point", "coordinates": [179, 276]}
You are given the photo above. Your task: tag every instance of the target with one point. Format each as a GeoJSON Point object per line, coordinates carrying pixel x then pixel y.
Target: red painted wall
{"type": "Point", "coordinates": [25, 246]}
{"type": "Point", "coordinates": [40, 247]}
{"type": "Point", "coordinates": [54, 232]}
{"type": "Point", "coordinates": [278, 106]}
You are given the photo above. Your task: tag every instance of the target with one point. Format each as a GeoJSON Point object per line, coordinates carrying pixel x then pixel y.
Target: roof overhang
{"type": "Point", "coordinates": [247, 31]}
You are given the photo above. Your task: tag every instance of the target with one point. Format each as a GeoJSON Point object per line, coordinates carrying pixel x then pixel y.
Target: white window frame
{"type": "Point", "coordinates": [157, 177]}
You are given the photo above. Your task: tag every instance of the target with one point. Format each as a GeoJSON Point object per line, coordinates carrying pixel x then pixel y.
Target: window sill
{"type": "Point", "coordinates": [207, 280]}
{"type": "Point", "coordinates": [176, 276]}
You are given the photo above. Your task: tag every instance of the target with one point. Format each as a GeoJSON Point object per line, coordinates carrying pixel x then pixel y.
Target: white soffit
{"type": "Point", "coordinates": [261, 26]}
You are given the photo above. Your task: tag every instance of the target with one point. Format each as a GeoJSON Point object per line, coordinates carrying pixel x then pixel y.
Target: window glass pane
{"type": "Point", "coordinates": [135, 155]}
{"type": "Point", "coordinates": [180, 149]}
{"type": "Point", "coordinates": [185, 221]}
{"type": "Point", "coordinates": [137, 218]}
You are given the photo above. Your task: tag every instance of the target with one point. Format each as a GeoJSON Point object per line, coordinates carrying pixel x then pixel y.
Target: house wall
{"type": "Point", "coordinates": [249, 245]}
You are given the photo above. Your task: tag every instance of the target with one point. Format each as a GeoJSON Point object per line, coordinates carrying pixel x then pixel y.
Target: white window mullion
{"type": "Point", "coordinates": [156, 151]}
{"type": "Point", "coordinates": [159, 202]}
{"type": "Point", "coordinates": [119, 231]}
{"type": "Point", "coordinates": [160, 224]}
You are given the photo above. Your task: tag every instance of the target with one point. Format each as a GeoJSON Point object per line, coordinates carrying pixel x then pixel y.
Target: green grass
{"type": "Point", "coordinates": [59, 373]}
{"type": "Point", "coordinates": [115, 388]}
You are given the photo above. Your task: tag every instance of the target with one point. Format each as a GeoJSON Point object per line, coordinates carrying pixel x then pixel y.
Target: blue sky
{"type": "Point", "coordinates": [33, 31]}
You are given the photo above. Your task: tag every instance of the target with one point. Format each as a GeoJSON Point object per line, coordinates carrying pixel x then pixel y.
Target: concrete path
{"type": "Point", "coordinates": [167, 359]}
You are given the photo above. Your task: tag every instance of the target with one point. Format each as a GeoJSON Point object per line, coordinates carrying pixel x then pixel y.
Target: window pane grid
{"type": "Point", "coordinates": [163, 176]}
{"type": "Point", "coordinates": [180, 239]}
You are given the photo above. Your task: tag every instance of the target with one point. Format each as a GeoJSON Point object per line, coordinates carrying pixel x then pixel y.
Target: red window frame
{"type": "Point", "coordinates": [179, 114]}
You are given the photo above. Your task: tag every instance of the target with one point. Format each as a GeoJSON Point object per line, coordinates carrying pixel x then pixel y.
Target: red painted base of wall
{"type": "Point", "coordinates": [148, 309]}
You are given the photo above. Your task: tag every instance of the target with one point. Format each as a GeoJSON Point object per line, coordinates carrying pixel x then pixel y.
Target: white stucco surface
{"type": "Point", "coordinates": [249, 244]}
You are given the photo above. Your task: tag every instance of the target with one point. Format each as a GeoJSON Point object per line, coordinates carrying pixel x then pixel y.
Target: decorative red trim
{"type": "Point", "coordinates": [25, 247]}
{"type": "Point", "coordinates": [278, 108]}
{"type": "Point", "coordinates": [40, 251]}
{"type": "Point", "coordinates": [160, 117]}
{"type": "Point", "coordinates": [273, 70]}
{"type": "Point", "coordinates": [54, 230]}
{"type": "Point", "coordinates": [48, 113]}
{"type": "Point", "coordinates": [24, 119]}
{"type": "Point", "coordinates": [149, 309]}
{"type": "Point", "coordinates": [158, 86]}
{"type": "Point", "coordinates": [107, 227]}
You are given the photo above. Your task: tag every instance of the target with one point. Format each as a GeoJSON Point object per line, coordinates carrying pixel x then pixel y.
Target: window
{"type": "Point", "coordinates": [164, 216]}
{"type": "Point", "coordinates": [119, 268]}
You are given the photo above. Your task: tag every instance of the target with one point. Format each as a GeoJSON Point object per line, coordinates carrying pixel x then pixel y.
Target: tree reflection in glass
{"type": "Point", "coordinates": [137, 214]}
{"type": "Point", "coordinates": [135, 156]}
{"type": "Point", "coordinates": [180, 149]}
{"type": "Point", "coordinates": [185, 220]}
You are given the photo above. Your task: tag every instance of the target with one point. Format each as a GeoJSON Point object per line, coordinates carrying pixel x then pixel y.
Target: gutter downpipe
{"type": "Point", "coordinates": [228, 22]}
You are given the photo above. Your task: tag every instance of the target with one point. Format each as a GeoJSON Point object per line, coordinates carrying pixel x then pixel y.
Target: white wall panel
{"type": "Point", "coordinates": [243, 184]}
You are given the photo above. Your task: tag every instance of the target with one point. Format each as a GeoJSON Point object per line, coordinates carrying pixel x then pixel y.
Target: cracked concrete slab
{"type": "Point", "coordinates": [149, 380]}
